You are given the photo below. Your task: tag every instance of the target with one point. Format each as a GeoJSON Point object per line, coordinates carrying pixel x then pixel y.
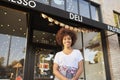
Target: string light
{"type": "Point", "coordinates": [56, 22]}
{"type": "Point", "coordinates": [80, 29]}
{"type": "Point", "coordinates": [50, 19]}
{"type": "Point", "coordinates": [44, 16]}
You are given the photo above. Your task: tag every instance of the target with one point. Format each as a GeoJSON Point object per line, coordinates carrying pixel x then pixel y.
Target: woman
{"type": "Point", "coordinates": [68, 64]}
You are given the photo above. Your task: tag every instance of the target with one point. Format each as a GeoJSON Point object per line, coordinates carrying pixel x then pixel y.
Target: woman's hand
{"type": "Point", "coordinates": [73, 78]}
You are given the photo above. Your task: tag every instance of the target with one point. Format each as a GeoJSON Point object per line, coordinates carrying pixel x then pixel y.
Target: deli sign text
{"type": "Point", "coordinates": [29, 3]}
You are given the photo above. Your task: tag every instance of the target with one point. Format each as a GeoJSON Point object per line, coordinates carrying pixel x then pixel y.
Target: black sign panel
{"type": "Point", "coordinates": [34, 5]}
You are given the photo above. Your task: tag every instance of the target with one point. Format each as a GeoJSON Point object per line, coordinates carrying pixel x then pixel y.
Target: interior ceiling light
{"type": "Point", "coordinates": [19, 19]}
{"type": "Point", "coordinates": [1, 25]}
{"type": "Point", "coordinates": [34, 36]}
{"type": "Point", "coordinates": [43, 33]}
{"type": "Point", "coordinates": [20, 28]}
{"type": "Point", "coordinates": [5, 13]}
{"type": "Point", "coordinates": [43, 38]}
{"type": "Point", "coordinates": [8, 25]}
{"type": "Point", "coordinates": [13, 30]}
{"type": "Point", "coordinates": [24, 33]}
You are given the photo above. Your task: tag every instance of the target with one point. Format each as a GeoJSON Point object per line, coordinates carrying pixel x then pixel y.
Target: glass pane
{"type": "Point", "coordinates": [72, 6]}
{"type": "Point", "coordinates": [84, 8]}
{"type": "Point", "coordinates": [44, 1]}
{"type": "Point", "coordinates": [78, 45]}
{"type": "Point", "coordinates": [58, 4]}
{"type": "Point", "coordinates": [94, 61]}
{"type": "Point", "coordinates": [119, 21]}
{"type": "Point", "coordinates": [116, 19]}
{"type": "Point", "coordinates": [12, 43]}
{"type": "Point", "coordinates": [94, 13]}
{"type": "Point", "coordinates": [44, 37]}
{"type": "Point", "coordinates": [43, 64]}
{"type": "Point", "coordinates": [119, 39]}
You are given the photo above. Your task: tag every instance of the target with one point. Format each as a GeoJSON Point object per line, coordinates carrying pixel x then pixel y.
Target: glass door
{"type": "Point", "coordinates": [45, 49]}
{"type": "Point", "coordinates": [43, 64]}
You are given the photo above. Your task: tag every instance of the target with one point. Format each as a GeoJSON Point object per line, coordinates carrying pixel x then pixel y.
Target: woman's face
{"type": "Point", "coordinates": [67, 41]}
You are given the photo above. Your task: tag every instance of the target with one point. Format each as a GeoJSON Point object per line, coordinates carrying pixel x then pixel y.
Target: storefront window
{"type": "Point", "coordinates": [94, 13]}
{"type": "Point", "coordinates": [84, 8]}
{"type": "Point", "coordinates": [93, 54]}
{"type": "Point", "coordinates": [44, 54]}
{"type": "Point", "coordinates": [12, 43]}
{"type": "Point", "coordinates": [44, 37]}
{"type": "Point", "coordinates": [119, 39]}
{"type": "Point", "coordinates": [58, 4]}
{"type": "Point", "coordinates": [117, 19]}
{"type": "Point", "coordinates": [43, 64]}
{"type": "Point", "coordinates": [72, 6]}
{"type": "Point", "coordinates": [44, 1]}
{"type": "Point", "coordinates": [79, 45]}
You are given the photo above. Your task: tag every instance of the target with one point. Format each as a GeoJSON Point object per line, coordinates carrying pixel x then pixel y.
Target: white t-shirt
{"type": "Point", "coordinates": [68, 64]}
{"type": "Point", "coordinates": [68, 60]}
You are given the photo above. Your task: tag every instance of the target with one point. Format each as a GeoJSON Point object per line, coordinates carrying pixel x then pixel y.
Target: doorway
{"type": "Point", "coordinates": [88, 43]}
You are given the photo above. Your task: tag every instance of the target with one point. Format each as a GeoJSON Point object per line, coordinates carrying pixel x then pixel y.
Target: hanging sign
{"type": "Point", "coordinates": [75, 17]}
{"type": "Point", "coordinates": [29, 3]}
{"type": "Point", "coordinates": [114, 29]}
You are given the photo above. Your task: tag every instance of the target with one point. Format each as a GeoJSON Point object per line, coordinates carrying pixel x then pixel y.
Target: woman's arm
{"type": "Point", "coordinates": [79, 71]}
{"type": "Point", "coordinates": [57, 73]}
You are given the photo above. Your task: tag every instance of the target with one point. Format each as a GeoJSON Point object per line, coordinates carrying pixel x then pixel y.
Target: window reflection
{"type": "Point", "coordinates": [94, 61]}
{"type": "Point", "coordinates": [94, 13]}
{"type": "Point", "coordinates": [72, 6]}
{"type": "Point", "coordinates": [43, 64]}
{"type": "Point", "coordinates": [44, 37]}
{"type": "Point", "coordinates": [58, 4]}
{"type": "Point", "coordinates": [12, 52]}
{"type": "Point", "coordinates": [117, 19]}
{"type": "Point", "coordinates": [44, 1]}
{"type": "Point", "coordinates": [4, 46]}
{"type": "Point", "coordinates": [84, 8]}
{"type": "Point", "coordinates": [12, 43]}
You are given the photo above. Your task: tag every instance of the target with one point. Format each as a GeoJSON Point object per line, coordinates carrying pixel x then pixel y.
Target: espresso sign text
{"type": "Point", "coordinates": [29, 3]}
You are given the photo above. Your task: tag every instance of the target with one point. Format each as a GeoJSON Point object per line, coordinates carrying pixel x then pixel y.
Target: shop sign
{"type": "Point", "coordinates": [29, 3]}
{"type": "Point", "coordinates": [75, 17]}
{"type": "Point", "coordinates": [114, 29]}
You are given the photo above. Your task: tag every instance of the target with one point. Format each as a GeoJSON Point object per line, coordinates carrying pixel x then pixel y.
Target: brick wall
{"type": "Point", "coordinates": [107, 7]}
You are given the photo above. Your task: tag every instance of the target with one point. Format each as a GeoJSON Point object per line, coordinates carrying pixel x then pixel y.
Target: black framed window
{"type": "Point", "coordinates": [117, 19]}
{"type": "Point", "coordinates": [58, 4]}
{"type": "Point", "coordinates": [94, 12]}
{"type": "Point", "coordinates": [13, 41]}
{"type": "Point", "coordinates": [119, 39]}
{"type": "Point", "coordinates": [44, 1]}
{"type": "Point", "coordinates": [84, 8]}
{"type": "Point", "coordinates": [117, 23]}
{"type": "Point", "coordinates": [72, 6]}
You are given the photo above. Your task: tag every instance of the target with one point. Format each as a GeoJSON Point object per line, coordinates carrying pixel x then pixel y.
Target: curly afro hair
{"type": "Point", "coordinates": [63, 32]}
